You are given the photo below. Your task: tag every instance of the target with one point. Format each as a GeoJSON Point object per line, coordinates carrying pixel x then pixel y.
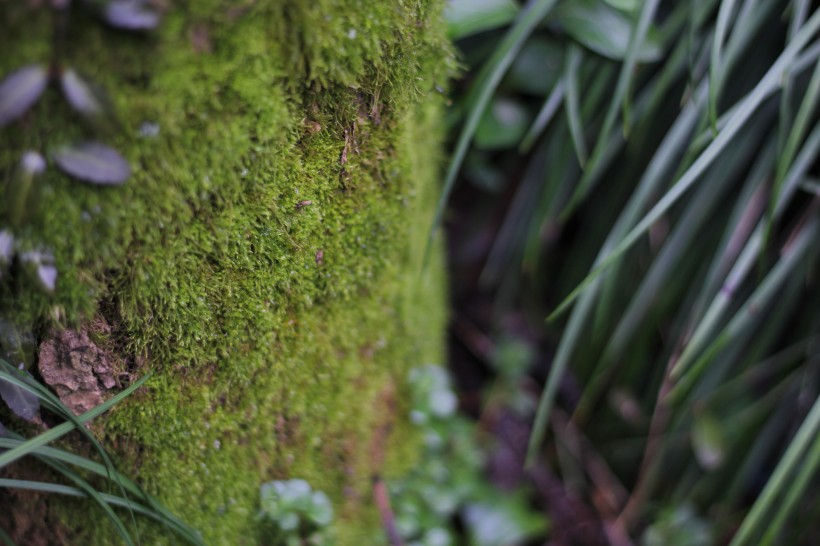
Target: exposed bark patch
{"type": "Point", "coordinates": [311, 125]}
{"type": "Point", "coordinates": [24, 514]}
{"type": "Point", "coordinates": [80, 372]}
{"type": "Point", "coordinates": [200, 38]}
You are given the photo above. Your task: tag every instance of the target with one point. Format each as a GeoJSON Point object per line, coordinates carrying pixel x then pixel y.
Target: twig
{"type": "Point", "coordinates": [382, 497]}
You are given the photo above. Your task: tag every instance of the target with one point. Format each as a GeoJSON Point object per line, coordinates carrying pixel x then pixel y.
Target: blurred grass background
{"type": "Point", "coordinates": [632, 208]}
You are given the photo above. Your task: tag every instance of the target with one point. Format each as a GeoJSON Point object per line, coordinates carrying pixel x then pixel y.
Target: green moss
{"type": "Point", "coordinates": [269, 361]}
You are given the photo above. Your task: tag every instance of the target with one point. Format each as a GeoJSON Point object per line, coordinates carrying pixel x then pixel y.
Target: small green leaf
{"type": "Point", "coordinates": [537, 67]}
{"type": "Point", "coordinates": [512, 357]}
{"type": "Point", "coordinates": [603, 29]}
{"type": "Point", "coordinates": [504, 520]}
{"type": "Point", "coordinates": [93, 162]}
{"type": "Point", "coordinates": [20, 90]}
{"type": "Point", "coordinates": [624, 5]}
{"type": "Point", "coordinates": [291, 503]}
{"type": "Point", "coordinates": [502, 126]}
{"type": "Point", "coordinates": [468, 17]}
{"type": "Point", "coordinates": [483, 173]}
{"type": "Point", "coordinates": [321, 511]}
{"type": "Point", "coordinates": [438, 536]}
{"type": "Point", "coordinates": [289, 521]}
{"type": "Point", "coordinates": [678, 526]}
{"type": "Point", "coordinates": [708, 441]}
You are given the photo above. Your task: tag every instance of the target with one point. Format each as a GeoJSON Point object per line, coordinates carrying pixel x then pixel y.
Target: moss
{"type": "Point", "coordinates": [273, 330]}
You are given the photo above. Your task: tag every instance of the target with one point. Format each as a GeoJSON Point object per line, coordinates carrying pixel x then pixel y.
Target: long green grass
{"type": "Point", "coordinates": [85, 474]}
{"type": "Point", "coordinates": [666, 223]}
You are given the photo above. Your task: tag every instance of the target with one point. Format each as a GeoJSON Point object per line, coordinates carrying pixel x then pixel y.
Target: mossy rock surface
{"type": "Point", "coordinates": [279, 332]}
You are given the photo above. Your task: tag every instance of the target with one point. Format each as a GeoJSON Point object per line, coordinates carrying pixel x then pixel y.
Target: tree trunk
{"type": "Point", "coordinates": [263, 261]}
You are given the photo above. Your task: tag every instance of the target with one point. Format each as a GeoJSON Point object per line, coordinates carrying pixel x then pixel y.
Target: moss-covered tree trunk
{"type": "Point", "coordinates": [264, 260]}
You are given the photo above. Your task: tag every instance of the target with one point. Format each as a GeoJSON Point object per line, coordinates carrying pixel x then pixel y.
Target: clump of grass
{"type": "Point", "coordinates": [662, 211]}
{"type": "Point", "coordinates": [84, 473]}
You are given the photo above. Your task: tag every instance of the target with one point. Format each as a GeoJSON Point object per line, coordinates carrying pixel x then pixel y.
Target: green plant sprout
{"type": "Point", "coordinates": [449, 484]}
{"type": "Point", "coordinates": [300, 514]}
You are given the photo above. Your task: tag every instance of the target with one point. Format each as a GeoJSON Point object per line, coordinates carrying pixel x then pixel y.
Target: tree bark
{"type": "Point", "coordinates": [263, 261]}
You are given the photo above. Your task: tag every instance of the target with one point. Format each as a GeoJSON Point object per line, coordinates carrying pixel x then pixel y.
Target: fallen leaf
{"type": "Point", "coordinates": [93, 162]}
{"type": "Point", "coordinates": [20, 90]}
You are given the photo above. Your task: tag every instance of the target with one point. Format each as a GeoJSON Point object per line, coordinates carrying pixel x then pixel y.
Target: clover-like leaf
{"type": "Point", "coordinates": [320, 511]}
{"type": "Point", "coordinates": [506, 520]}
{"type": "Point", "coordinates": [93, 162]}
{"type": "Point", "coordinates": [85, 97]}
{"type": "Point", "coordinates": [131, 15]}
{"type": "Point", "coordinates": [20, 90]}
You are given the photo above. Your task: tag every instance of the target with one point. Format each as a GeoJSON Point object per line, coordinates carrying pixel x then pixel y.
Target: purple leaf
{"type": "Point", "coordinates": [20, 90]}
{"type": "Point", "coordinates": [22, 402]}
{"type": "Point", "coordinates": [33, 163]}
{"type": "Point", "coordinates": [40, 266]}
{"type": "Point", "coordinates": [93, 162]}
{"type": "Point", "coordinates": [6, 248]}
{"type": "Point", "coordinates": [47, 275]}
{"type": "Point", "coordinates": [86, 98]}
{"type": "Point", "coordinates": [131, 15]}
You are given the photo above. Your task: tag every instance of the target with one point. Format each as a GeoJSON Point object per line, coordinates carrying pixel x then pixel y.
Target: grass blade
{"type": "Point", "coordinates": [716, 68]}
{"type": "Point", "coordinates": [746, 109]}
{"type": "Point", "coordinates": [64, 428]}
{"type": "Point", "coordinates": [50, 455]}
{"type": "Point", "coordinates": [806, 435]}
{"type": "Point", "coordinates": [760, 299]}
{"type": "Point", "coordinates": [793, 493]}
{"type": "Point", "coordinates": [620, 97]}
{"type": "Point", "coordinates": [59, 489]}
{"type": "Point", "coordinates": [52, 402]}
{"type": "Point", "coordinates": [742, 266]}
{"type": "Point", "coordinates": [544, 116]}
{"type": "Point", "coordinates": [576, 124]}
{"type": "Point", "coordinates": [670, 150]}
{"type": "Point", "coordinates": [496, 67]}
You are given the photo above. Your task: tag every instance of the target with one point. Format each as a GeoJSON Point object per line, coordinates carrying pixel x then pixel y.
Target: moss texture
{"type": "Point", "coordinates": [279, 335]}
